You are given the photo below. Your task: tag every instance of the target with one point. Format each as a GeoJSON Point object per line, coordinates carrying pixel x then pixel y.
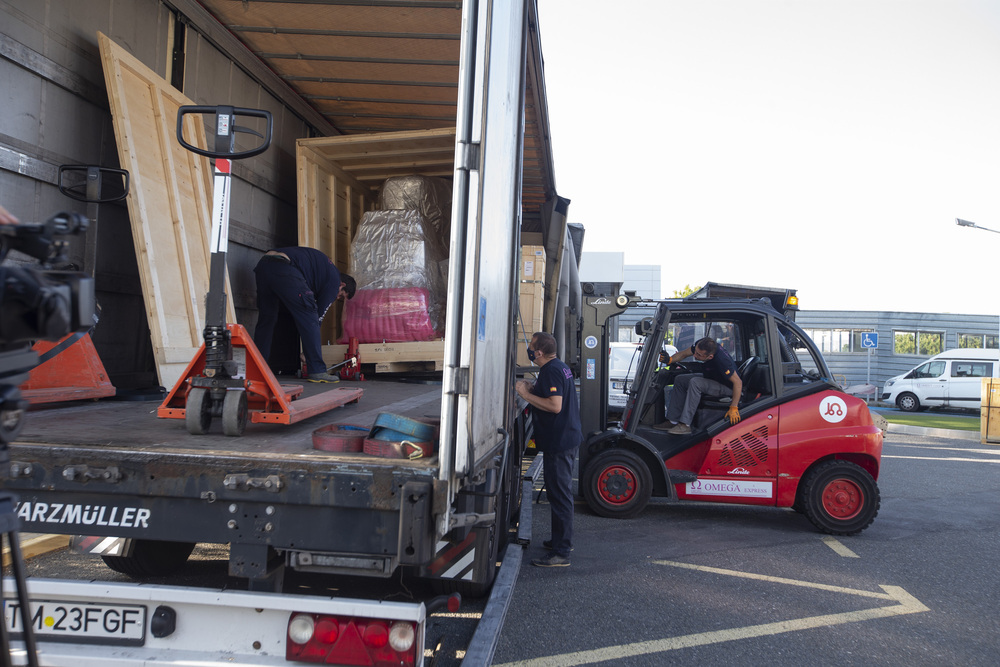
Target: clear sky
{"type": "Point", "coordinates": [822, 145]}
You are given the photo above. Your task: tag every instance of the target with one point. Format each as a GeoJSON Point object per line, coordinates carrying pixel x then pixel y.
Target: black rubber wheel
{"type": "Point", "coordinates": [908, 402]}
{"type": "Point", "coordinates": [198, 411]}
{"type": "Point", "coordinates": [151, 558]}
{"type": "Point", "coordinates": [839, 497]}
{"type": "Point", "coordinates": [234, 413]}
{"type": "Point", "coordinates": [617, 484]}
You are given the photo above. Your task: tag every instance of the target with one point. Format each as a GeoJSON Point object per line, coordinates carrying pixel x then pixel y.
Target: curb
{"type": "Point", "coordinates": [906, 429]}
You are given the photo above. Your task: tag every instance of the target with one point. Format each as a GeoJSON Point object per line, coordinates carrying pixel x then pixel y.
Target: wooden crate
{"type": "Point", "coordinates": [338, 182]}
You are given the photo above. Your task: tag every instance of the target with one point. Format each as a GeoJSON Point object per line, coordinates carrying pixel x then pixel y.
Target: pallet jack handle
{"type": "Point", "coordinates": [225, 130]}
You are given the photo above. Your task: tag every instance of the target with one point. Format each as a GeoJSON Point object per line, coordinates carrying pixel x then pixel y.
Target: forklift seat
{"type": "Point", "coordinates": [746, 373]}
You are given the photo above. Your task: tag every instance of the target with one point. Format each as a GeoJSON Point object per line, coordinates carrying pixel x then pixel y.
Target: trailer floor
{"type": "Point", "coordinates": [130, 424]}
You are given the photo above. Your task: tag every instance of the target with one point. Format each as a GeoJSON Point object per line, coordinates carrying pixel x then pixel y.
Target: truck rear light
{"type": "Point", "coordinates": [339, 640]}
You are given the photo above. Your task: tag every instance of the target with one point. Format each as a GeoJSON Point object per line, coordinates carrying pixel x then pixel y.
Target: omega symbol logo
{"type": "Point", "coordinates": [833, 409]}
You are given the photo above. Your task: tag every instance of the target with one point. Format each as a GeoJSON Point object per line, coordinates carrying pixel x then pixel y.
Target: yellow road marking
{"type": "Point", "coordinates": [905, 604]}
{"type": "Point", "coordinates": [835, 544]}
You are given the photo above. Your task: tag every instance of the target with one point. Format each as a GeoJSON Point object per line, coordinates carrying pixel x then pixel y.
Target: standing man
{"type": "Point", "coordinates": [307, 283]}
{"type": "Point", "coordinates": [718, 378]}
{"type": "Point", "coordinates": [556, 417]}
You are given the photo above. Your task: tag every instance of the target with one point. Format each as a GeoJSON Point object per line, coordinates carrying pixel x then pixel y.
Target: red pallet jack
{"type": "Point", "coordinates": [71, 369]}
{"type": "Point", "coordinates": [212, 385]}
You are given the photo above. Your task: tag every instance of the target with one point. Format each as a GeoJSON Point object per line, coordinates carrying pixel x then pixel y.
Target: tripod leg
{"type": "Point", "coordinates": [17, 566]}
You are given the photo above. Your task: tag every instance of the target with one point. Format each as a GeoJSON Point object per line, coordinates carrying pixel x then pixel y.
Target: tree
{"type": "Point", "coordinates": [687, 291]}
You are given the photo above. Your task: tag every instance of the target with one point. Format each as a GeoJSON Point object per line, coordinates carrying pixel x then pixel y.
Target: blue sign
{"type": "Point", "coordinates": [869, 340]}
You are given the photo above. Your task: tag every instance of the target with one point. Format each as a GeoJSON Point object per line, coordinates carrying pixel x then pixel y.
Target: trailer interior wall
{"type": "Point", "coordinates": [56, 112]}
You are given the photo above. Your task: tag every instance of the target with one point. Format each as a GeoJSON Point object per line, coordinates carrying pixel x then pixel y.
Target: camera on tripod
{"type": "Point", "coordinates": [39, 302]}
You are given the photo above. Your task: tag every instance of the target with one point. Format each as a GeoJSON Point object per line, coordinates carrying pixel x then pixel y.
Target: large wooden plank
{"type": "Point", "coordinates": [169, 206]}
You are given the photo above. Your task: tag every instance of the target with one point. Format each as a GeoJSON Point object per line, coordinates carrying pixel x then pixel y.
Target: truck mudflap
{"type": "Point", "coordinates": [96, 624]}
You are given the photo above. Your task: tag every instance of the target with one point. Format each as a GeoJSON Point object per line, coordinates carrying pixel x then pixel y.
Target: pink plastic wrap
{"type": "Point", "coordinates": [392, 315]}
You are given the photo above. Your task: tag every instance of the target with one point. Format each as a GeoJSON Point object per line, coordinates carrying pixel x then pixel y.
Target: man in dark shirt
{"type": "Point", "coordinates": [718, 378]}
{"type": "Point", "coordinates": [307, 283]}
{"type": "Point", "coordinates": [555, 415]}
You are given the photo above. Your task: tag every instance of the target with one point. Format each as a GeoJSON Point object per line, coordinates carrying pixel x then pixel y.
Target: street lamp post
{"type": "Point", "coordinates": [967, 223]}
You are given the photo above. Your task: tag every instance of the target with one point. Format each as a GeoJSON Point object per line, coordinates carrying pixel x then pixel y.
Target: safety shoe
{"type": "Point", "coordinates": [323, 377]}
{"type": "Point", "coordinates": [664, 426]}
{"type": "Point", "coordinates": [548, 545]}
{"type": "Point", "coordinates": [680, 429]}
{"type": "Point", "coordinates": [551, 559]}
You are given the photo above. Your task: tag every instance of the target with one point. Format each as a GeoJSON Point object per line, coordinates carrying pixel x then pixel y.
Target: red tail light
{"type": "Point", "coordinates": [337, 640]}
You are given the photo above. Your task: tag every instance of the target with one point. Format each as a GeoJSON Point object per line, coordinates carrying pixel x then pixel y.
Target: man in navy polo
{"type": "Point", "coordinates": [555, 414]}
{"type": "Point", "coordinates": [307, 283]}
{"type": "Point", "coordinates": [718, 378]}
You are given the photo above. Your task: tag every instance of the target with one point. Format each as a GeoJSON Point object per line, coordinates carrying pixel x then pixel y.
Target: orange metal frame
{"type": "Point", "coordinates": [268, 401]}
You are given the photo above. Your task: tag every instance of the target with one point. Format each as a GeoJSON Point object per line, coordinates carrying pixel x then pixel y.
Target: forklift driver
{"type": "Point", "coordinates": [718, 372]}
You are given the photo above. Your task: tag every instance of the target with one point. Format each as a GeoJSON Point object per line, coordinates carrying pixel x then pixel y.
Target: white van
{"type": "Point", "coordinates": [953, 378]}
{"type": "Point", "coordinates": [623, 359]}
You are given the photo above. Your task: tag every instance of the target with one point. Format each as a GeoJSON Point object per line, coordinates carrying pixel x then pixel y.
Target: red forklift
{"type": "Point", "coordinates": [801, 442]}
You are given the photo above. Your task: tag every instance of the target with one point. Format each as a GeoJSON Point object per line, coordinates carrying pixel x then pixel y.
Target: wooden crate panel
{"type": "Point", "coordinates": [169, 206]}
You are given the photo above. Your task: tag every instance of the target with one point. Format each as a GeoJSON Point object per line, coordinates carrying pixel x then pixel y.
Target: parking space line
{"type": "Point", "coordinates": [941, 458]}
{"type": "Point", "coordinates": [839, 548]}
{"type": "Point", "coordinates": [906, 604]}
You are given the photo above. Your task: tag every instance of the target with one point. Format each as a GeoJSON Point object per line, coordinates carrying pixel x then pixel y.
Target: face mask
{"type": "Point", "coordinates": [531, 354]}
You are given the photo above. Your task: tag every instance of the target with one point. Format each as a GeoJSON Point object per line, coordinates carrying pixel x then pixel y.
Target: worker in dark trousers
{"type": "Point", "coordinates": [555, 414]}
{"type": "Point", "coordinates": [306, 283]}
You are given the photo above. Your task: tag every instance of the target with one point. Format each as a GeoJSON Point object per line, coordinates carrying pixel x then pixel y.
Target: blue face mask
{"type": "Point", "coordinates": [531, 354]}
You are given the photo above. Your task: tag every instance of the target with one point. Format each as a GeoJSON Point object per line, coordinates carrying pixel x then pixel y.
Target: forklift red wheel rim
{"type": "Point", "coordinates": [843, 498]}
{"type": "Point", "coordinates": [617, 475]}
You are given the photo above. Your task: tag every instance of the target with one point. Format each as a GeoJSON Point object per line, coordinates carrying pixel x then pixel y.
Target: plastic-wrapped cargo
{"type": "Point", "coordinates": [401, 290]}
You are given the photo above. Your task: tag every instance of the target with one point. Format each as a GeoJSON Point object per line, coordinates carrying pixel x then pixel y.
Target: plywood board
{"type": "Point", "coordinates": [169, 205]}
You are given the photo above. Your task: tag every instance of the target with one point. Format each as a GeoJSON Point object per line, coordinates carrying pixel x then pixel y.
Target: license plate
{"type": "Point", "coordinates": [53, 620]}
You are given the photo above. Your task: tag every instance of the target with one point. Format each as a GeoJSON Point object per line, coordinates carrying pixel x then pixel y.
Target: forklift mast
{"type": "Point", "coordinates": [594, 346]}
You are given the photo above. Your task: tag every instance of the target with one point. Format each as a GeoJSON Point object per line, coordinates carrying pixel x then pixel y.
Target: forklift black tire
{"type": "Point", "coordinates": [234, 413]}
{"type": "Point", "coordinates": [839, 497]}
{"type": "Point", "coordinates": [908, 402]}
{"type": "Point", "coordinates": [151, 558]}
{"type": "Point", "coordinates": [617, 484]}
{"type": "Point", "coordinates": [198, 411]}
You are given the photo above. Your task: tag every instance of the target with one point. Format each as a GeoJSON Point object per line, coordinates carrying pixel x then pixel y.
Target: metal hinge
{"type": "Point", "coordinates": [468, 156]}
{"type": "Point", "coordinates": [461, 383]}
{"type": "Point", "coordinates": [245, 482]}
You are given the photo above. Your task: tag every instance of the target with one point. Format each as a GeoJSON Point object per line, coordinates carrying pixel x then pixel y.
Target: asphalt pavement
{"type": "Point", "coordinates": [710, 584]}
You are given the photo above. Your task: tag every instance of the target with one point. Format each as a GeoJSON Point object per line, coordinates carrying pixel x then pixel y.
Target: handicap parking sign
{"type": "Point", "coordinates": [869, 339]}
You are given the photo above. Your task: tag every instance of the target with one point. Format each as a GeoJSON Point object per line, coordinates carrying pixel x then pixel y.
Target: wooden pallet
{"type": "Point", "coordinates": [393, 357]}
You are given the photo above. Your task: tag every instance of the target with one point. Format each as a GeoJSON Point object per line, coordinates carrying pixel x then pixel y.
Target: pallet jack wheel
{"type": "Point", "coordinates": [234, 413]}
{"type": "Point", "coordinates": [198, 411]}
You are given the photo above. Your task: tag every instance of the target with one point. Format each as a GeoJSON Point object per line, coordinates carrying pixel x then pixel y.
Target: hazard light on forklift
{"type": "Point", "coordinates": [792, 301]}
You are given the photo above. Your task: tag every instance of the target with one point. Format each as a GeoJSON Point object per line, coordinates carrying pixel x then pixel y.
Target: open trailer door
{"type": "Point", "coordinates": [486, 213]}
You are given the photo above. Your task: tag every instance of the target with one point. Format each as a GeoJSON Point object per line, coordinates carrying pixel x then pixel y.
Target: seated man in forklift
{"type": "Point", "coordinates": [307, 283]}
{"type": "Point", "coordinates": [718, 378]}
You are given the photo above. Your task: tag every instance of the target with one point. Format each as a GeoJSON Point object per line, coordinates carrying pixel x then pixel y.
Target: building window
{"type": "Point", "coordinates": [925, 343]}
{"type": "Point", "coordinates": [977, 341]}
{"type": "Point", "coordinates": [837, 340]}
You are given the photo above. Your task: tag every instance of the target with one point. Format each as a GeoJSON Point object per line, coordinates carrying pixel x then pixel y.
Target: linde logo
{"type": "Point", "coordinates": [602, 301]}
{"type": "Point", "coordinates": [739, 471]}
{"type": "Point", "coordinates": [87, 515]}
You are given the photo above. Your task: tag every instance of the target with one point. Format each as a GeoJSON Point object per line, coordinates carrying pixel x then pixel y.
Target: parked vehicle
{"type": "Point", "coordinates": [950, 379]}
{"type": "Point", "coordinates": [623, 359]}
